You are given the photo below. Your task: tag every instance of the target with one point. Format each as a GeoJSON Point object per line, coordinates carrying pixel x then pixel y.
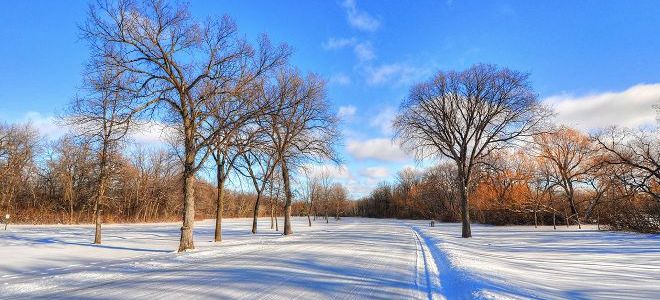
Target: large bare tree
{"type": "Point", "coordinates": [302, 127]}
{"type": "Point", "coordinates": [465, 115]}
{"type": "Point", "coordinates": [180, 67]}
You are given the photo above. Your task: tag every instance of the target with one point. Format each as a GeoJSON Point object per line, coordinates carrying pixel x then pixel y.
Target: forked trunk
{"type": "Point", "coordinates": [288, 196]}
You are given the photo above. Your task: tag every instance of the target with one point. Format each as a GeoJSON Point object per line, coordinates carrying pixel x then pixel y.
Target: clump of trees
{"type": "Point", "coordinates": [233, 106]}
{"type": "Point", "coordinates": [217, 90]}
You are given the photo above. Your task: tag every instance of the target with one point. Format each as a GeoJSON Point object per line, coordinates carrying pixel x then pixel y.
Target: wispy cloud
{"type": "Point", "coordinates": [346, 112]}
{"type": "Point", "coordinates": [632, 107]}
{"type": "Point", "coordinates": [358, 19]}
{"type": "Point", "coordinates": [383, 120]}
{"type": "Point", "coordinates": [364, 51]}
{"type": "Point", "coordinates": [340, 79]}
{"type": "Point", "coordinates": [395, 73]}
{"type": "Point", "coordinates": [339, 43]}
{"type": "Point", "coordinates": [379, 149]}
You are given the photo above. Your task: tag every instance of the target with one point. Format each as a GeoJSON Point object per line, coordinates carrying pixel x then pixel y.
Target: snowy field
{"type": "Point", "coordinates": [349, 259]}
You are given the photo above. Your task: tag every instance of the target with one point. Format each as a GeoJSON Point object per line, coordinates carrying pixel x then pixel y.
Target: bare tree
{"type": "Point", "coordinates": [236, 117]}
{"type": "Point", "coordinates": [258, 163]}
{"type": "Point", "coordinates": [302, 128]}
{"type": "Point", "coordinates": [466, 115]}
{"type": "Point", "coordinates": [636, 156]}
{"type": "Point", "coordinates": [18, 147]}
{"type": "Point", "coordinates": [311, 192]}
{"type": "Point", "coordinates": [571, 159]}
{"type": "Point", "coordinates": [102, 117]}
{"type": "Point", "coordinates": [180, 67]}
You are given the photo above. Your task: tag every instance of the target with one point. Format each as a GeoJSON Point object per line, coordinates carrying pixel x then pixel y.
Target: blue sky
{"type": "Point", "coordinates": [596, 62]}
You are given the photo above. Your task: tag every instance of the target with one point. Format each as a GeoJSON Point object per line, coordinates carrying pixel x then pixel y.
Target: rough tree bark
{"type": "Point", "coordinates": [287, 198]}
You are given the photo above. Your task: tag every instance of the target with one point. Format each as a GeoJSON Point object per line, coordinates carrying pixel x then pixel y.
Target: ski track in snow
{"type": "Point", "coordinates": [349, 259]}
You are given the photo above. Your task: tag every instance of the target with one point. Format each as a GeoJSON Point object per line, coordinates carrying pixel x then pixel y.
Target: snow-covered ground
{"type": "Point", "coordinates": [350, 259]}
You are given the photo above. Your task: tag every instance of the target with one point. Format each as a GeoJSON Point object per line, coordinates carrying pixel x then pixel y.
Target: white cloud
{"type": "Point", "coordinates": [364, 51]}
{"type": "Point", "coordinates": [383, 120]}
{"type": "Point", "coordinates": [340, 79]}
{"type": "Point", "coordinates": [147, 133]}
{"type": "Point", "coordinates": [152, 133]}
{"type": "Point", "coordinates": [379, 148]}
{"type": "Point", "coordinates": [333, 171]}
{"type": "Point", "coordinates": [346, 112]}
{"type": "Point", "coordinates": [359, 19]}
{"type": "Point", "coordinates": [397, 73]}
{"type": "Point", "coordinates": [632, 107]}
{"type": "Point", "coordinates": [375, 172]}
{"type": "Point", "coordinates": [339, 43]}
{"type": "Point", "coordinates": [46, 125]}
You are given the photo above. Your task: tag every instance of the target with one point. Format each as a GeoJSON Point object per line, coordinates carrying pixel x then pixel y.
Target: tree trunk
{"type": "Point", "coordinates": [554, 223]}
{"type": "Point", "coordinates": [309, 212]}
{"type": "Point", "coordinates": [272, 214]}
{"type": "Point", "coordinates": [536, 223]}
{"type": "Point", "coordinates": [288, 196]}
{"type": "Point", "coordinates": [97, 213]}
{"type": "Point", "coordinates": [465, 213]}
{"type": "Point", "coordinates": [219, 205]}
{"type": "Point", "coordinates": [100, 193]}
{"type": "Point", "coordinates": [255, 213]}
{"type": "Point", "coordinates": [186, 242]}
{"type": "Point", "coordinates": [574, 210]}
